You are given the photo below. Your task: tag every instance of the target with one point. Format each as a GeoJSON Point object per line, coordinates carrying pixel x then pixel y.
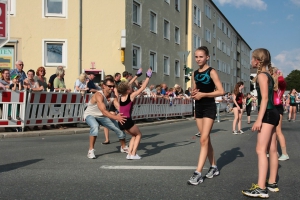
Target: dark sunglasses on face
{"type": "Point", "coordinates": [110, 86]}
{"type": "Point", "coordinates": [21, 64]}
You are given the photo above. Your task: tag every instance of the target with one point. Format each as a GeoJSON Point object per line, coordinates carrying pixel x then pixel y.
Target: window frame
{"type": "Point", "coordinates": [168, 31]}
{"type": "Point", "coordinates": [168, 65]}
{"type": "Point", "coordinates": [139, 56]}
{"type": "Point", "coordinates": [208, 34]}
{"type": "Point", "coordinates": [155, 21]}
{"type": "Point", "coordinates": [154, 67]}
{"type": "Point", "coordinates": [64, 43]}
{"type": "Point", "coordinates": [177, 34]}
{"type": "Point", "coordinates": [139, 13]}
{"type": "Point", "coordinates": [177, 65]}
{"type": "Point", "coordinates": [12, 7]}
{"type": "Point", "coordinates": [64, 10]}
{"type": "Point", "coordinates": [177, 5]}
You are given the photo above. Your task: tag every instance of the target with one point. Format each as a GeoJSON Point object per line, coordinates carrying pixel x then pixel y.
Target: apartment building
{"type": "Point", "coordinates": [114, 36]}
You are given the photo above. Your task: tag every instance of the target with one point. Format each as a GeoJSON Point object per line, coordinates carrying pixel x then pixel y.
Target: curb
{"type": "Point", "coordinates": [72, 131]}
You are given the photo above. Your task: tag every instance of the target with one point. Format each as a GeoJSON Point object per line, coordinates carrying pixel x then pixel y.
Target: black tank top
{"type": "Point", "coordinates": [239, 98]}
{"type": "Point", "coordinates": [205, 84]}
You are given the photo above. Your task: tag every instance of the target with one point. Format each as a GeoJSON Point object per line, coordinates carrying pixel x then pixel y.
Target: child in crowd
{"type": "Point", "coordinates": [126, 102]}
{"type": "Point", "coordinates": [265, 124]}
{"type": "Point", "coordinates": [15, 86]}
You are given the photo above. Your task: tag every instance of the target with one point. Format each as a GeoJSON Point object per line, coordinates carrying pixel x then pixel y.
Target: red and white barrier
{"type": "Point", "coordinates": [45, 108]}
{"type": "Point", "coordinates": [140, 108]}
{"type": "Point", "coordinates": [157, 108]}
{"type": "Point", "coordinates": [13, 99]}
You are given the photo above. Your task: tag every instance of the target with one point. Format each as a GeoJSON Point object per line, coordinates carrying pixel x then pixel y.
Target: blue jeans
{"type": "Point", "coordinates": [218, 111]}
{"type": "Point", "coordinates": [95, 122]}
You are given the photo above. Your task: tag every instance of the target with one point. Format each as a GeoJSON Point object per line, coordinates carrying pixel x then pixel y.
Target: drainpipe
{"type": "Point", "coordinates": [80, 38]}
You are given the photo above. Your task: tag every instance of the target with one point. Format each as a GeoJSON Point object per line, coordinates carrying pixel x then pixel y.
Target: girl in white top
{"type": "Point", "coordinates": [81, 83]}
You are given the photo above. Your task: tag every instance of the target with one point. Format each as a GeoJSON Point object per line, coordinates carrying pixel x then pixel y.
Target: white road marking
{"type": "Point", "coordinates": [149, 167]}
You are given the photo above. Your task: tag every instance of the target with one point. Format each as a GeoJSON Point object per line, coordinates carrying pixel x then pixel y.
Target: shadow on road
{"type": "Point", "coordinates": [157, 148]}
{"type": "Point", "coordinates": [228, 157]}
{"type": "Point", "coordinates": [217, 130]}
{"type": "Point", "coordinates": [13, 166]}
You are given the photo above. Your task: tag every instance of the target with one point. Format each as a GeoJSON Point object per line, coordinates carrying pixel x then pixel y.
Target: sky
{"type": "Point", "coordinates": [270, 24]}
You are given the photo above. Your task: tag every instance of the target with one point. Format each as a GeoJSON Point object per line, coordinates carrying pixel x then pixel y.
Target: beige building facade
{"type": "Point", "coordinates": [118, 35]}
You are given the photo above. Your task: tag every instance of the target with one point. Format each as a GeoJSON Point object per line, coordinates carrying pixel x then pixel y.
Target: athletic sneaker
{"type": "Point", "coordinates": [91, 154]}
{"type": "Point", "coordinates": [195, 179]}
{"type": "Point", "coordinates": [234, 132]}
{"type": "Point", "coordinates": [198, 134]}
{"type": "Point", "coordinates": [283, 157]}
{"type": "Point", "coordinates": [124, 150]}
{"type": "Point", "coordinates": [240, 132]}
{"type": "Point", "coordinates": [128, 157]}
{"type": "Point", "coordinates": [135, 157]}
{"type": "Point", "coordinates": [255, 191]}
{"type": "Point", "coordinates": [212, 172]}
{"type": "Point", "coordinates": [272, 187]}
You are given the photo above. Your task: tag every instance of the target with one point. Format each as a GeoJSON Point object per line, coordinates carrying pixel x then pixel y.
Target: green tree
{"type": "Point", "coordinates": [292, 80]}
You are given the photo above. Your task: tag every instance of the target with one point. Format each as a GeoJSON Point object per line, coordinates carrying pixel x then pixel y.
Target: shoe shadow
{"type": "Point", "coordinates": [228, 157]}
{"type": "Point", "coordinates": [152, 148]}
{"type": "Point", "coordinates": [217, 130]}
{"type": "Point", "coordinates": [13, 166]}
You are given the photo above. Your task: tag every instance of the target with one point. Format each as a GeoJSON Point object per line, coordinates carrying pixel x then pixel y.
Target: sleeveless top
{"type": "Point", "coordinates": [93, 110]}
{"type": "Point", "coordinates": [281, 89]}
{"type": "Point", "coordinates": [126, 106]}
{"type": "Point", "coordinates": [248, 102]}
{"type": "Point", "coordinates": [205, 84]}
{"type": "Point", "coordinates": [292, 99]}
{"type": "Point", "coordinates": [32, 85]}
{"type": "Point", "coordinates": [270, 104]}
{"type": "Point", "coordinates": [239, 98]}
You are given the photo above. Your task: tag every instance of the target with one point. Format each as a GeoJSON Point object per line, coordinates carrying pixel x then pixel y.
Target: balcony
{"type": "Point", "coordinates": [238, 49]}
{"type": "Point", "coordinates": [238, 65]}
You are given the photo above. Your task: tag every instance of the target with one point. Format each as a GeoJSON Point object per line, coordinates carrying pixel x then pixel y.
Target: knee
{"type": "Point", "coordinates": [260, 150]}
{"type": "Point", "coordinates": [204, 141]}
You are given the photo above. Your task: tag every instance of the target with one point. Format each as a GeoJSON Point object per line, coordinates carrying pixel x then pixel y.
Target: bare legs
{"type": "Point", "coordinates": [280, 137]}
{"type": "Point", "coordinates": [204, 125]}
{"type": "Point", "coordinates": [266, 140]}
{"type": "Point", "coordinates": [135, 139]}
{"type": "Point", "coordinates": [292, 113]}
{"type": "Point", "coordinates": [106, 134]}
{"type": "Point", "coordinates": [237, 118]}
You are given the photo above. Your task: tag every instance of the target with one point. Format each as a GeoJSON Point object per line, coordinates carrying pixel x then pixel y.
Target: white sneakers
{"type": "Point", "coordinates": [91, 154]}
{"type": "Point", "coordinates": [124, 150]}
{"type": "Point", "coordinates": [133, 157]}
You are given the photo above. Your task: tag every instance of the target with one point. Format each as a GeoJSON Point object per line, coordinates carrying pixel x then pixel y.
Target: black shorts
{"type": "Point", "coordinates": [248, 110]}
{"type": "Point", "coordinates": [208, 111]}
{"type": "Point", "coordinates": [279, 109]}
{"type": "Point", "coordinates": [293, 104]}
{"type": "Point", "coordinates": [271, 117]}
{"type": "Point", "coordinates": [112, 108]}
{"type": "Point", "coordinates": [127, 125]}
{"type": "Point", "coordinates": [240, 105]}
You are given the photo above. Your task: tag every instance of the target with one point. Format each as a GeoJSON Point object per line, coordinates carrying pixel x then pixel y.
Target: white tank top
{"type": "Point", "coordinates": [93, 110]}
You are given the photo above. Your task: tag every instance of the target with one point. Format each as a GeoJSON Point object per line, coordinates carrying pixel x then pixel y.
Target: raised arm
{"type": "Point", "coordinates": [145, 83]}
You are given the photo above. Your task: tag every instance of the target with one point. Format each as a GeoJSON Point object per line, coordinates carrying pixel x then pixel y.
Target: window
{"type": "Point", "coordinates": [219, 22]}
{"type": "Point", "coordinates": [166, 65]}
{"type": "Point", "coordinates": [228, 51]}
{"type": "Point", "coordinates": [195, 14]}
{"type": "Point", "coordinates": [166, 29]}
{"type": "Point", "coordinates": [219, 65]}
{"type": "Point", "coordinates": [136, 13]}
{"type": "Point", "coordinates": [136, 57]}
{"type": "Point", "coordinates": [199, 42]}
{"type": "Point", "coordinates": [223, 67]}
{"type": "Point", "coordinates": [55, 52]}
{"type": "Point", "coordinates": [195, 41]}
{"type": "Point", "coordinates": [167, 1]}
{"type": "Point", "coordinates": [214, 52]}
{"type": "Point", "coordinates": [228, 69]}
{"type": "Point", "coordinates": [199, 17]}
{"type": "Point", "coordinates": [177, 35]}
{"type": "Point", "coordinates": [224, 47]}
{"type": "Point", "coordinates": [219, 44]}
{"type": "Point", "coordinates": [12, 7]}
{"type": "Point", "coordinates": [153, 22]}
{"type": "Point", "coordinates": [208, 11]}
{"type": "Point", "coordinates": [153, 61]}
{"type": "Point", "coordinates": [208, 35]}
{"type": "Point", "coordinates": [177, 5]}
{"type": "Point", "coordinates": [214, 30]}
{"type": "Point", "coordinates": [229, 33]}
{"type": "Point", "coordinates": [177, 68]}
{"type": "Point", "coordinates": [55, 8]}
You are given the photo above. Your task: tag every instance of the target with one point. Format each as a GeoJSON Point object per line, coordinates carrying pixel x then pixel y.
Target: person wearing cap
{"type": "Point", "coordinates": [19, 71]}
{"type": "Point", "coordinates": [91, 85]}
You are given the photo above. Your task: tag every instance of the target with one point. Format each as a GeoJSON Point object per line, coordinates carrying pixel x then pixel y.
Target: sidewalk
{"type": "Point", "coordinates": [75, 130]}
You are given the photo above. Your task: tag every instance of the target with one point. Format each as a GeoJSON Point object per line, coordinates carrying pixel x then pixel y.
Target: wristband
{"type": "Point", "coordinates": [139, 73]}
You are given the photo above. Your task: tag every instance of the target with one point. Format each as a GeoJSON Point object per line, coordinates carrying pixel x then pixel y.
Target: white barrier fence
{"type": "Point", "coordinates": [45, 108]}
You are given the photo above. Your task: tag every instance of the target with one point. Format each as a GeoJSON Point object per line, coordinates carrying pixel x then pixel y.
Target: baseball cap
{"type": "Point", "coordinates": [14, 76]}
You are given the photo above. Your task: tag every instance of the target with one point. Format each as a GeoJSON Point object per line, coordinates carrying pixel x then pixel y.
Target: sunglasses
{"type": "Point", "coordinates": [110, 86]}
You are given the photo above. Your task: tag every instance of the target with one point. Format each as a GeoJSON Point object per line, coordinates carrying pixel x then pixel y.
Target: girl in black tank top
{"type": "Point", "coordinates": [206, 85]}
{"type": "Point", "coordinates": [267, 120]}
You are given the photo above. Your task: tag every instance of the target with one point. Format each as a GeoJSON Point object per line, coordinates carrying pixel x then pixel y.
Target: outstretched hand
{"type": "Point", "coordinates": [139, 72]}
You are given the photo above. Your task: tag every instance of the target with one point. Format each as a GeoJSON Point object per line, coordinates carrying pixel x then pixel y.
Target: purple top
{"type": "Point", "coordinates": [126, 106]}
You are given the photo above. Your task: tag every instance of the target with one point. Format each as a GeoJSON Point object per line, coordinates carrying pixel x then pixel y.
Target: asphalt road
{"type": "Point", "coordinates": [56, 167]}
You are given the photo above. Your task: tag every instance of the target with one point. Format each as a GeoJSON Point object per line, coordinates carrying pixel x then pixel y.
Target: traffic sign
{"type": "Point", "coordinates": [4, 22]}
